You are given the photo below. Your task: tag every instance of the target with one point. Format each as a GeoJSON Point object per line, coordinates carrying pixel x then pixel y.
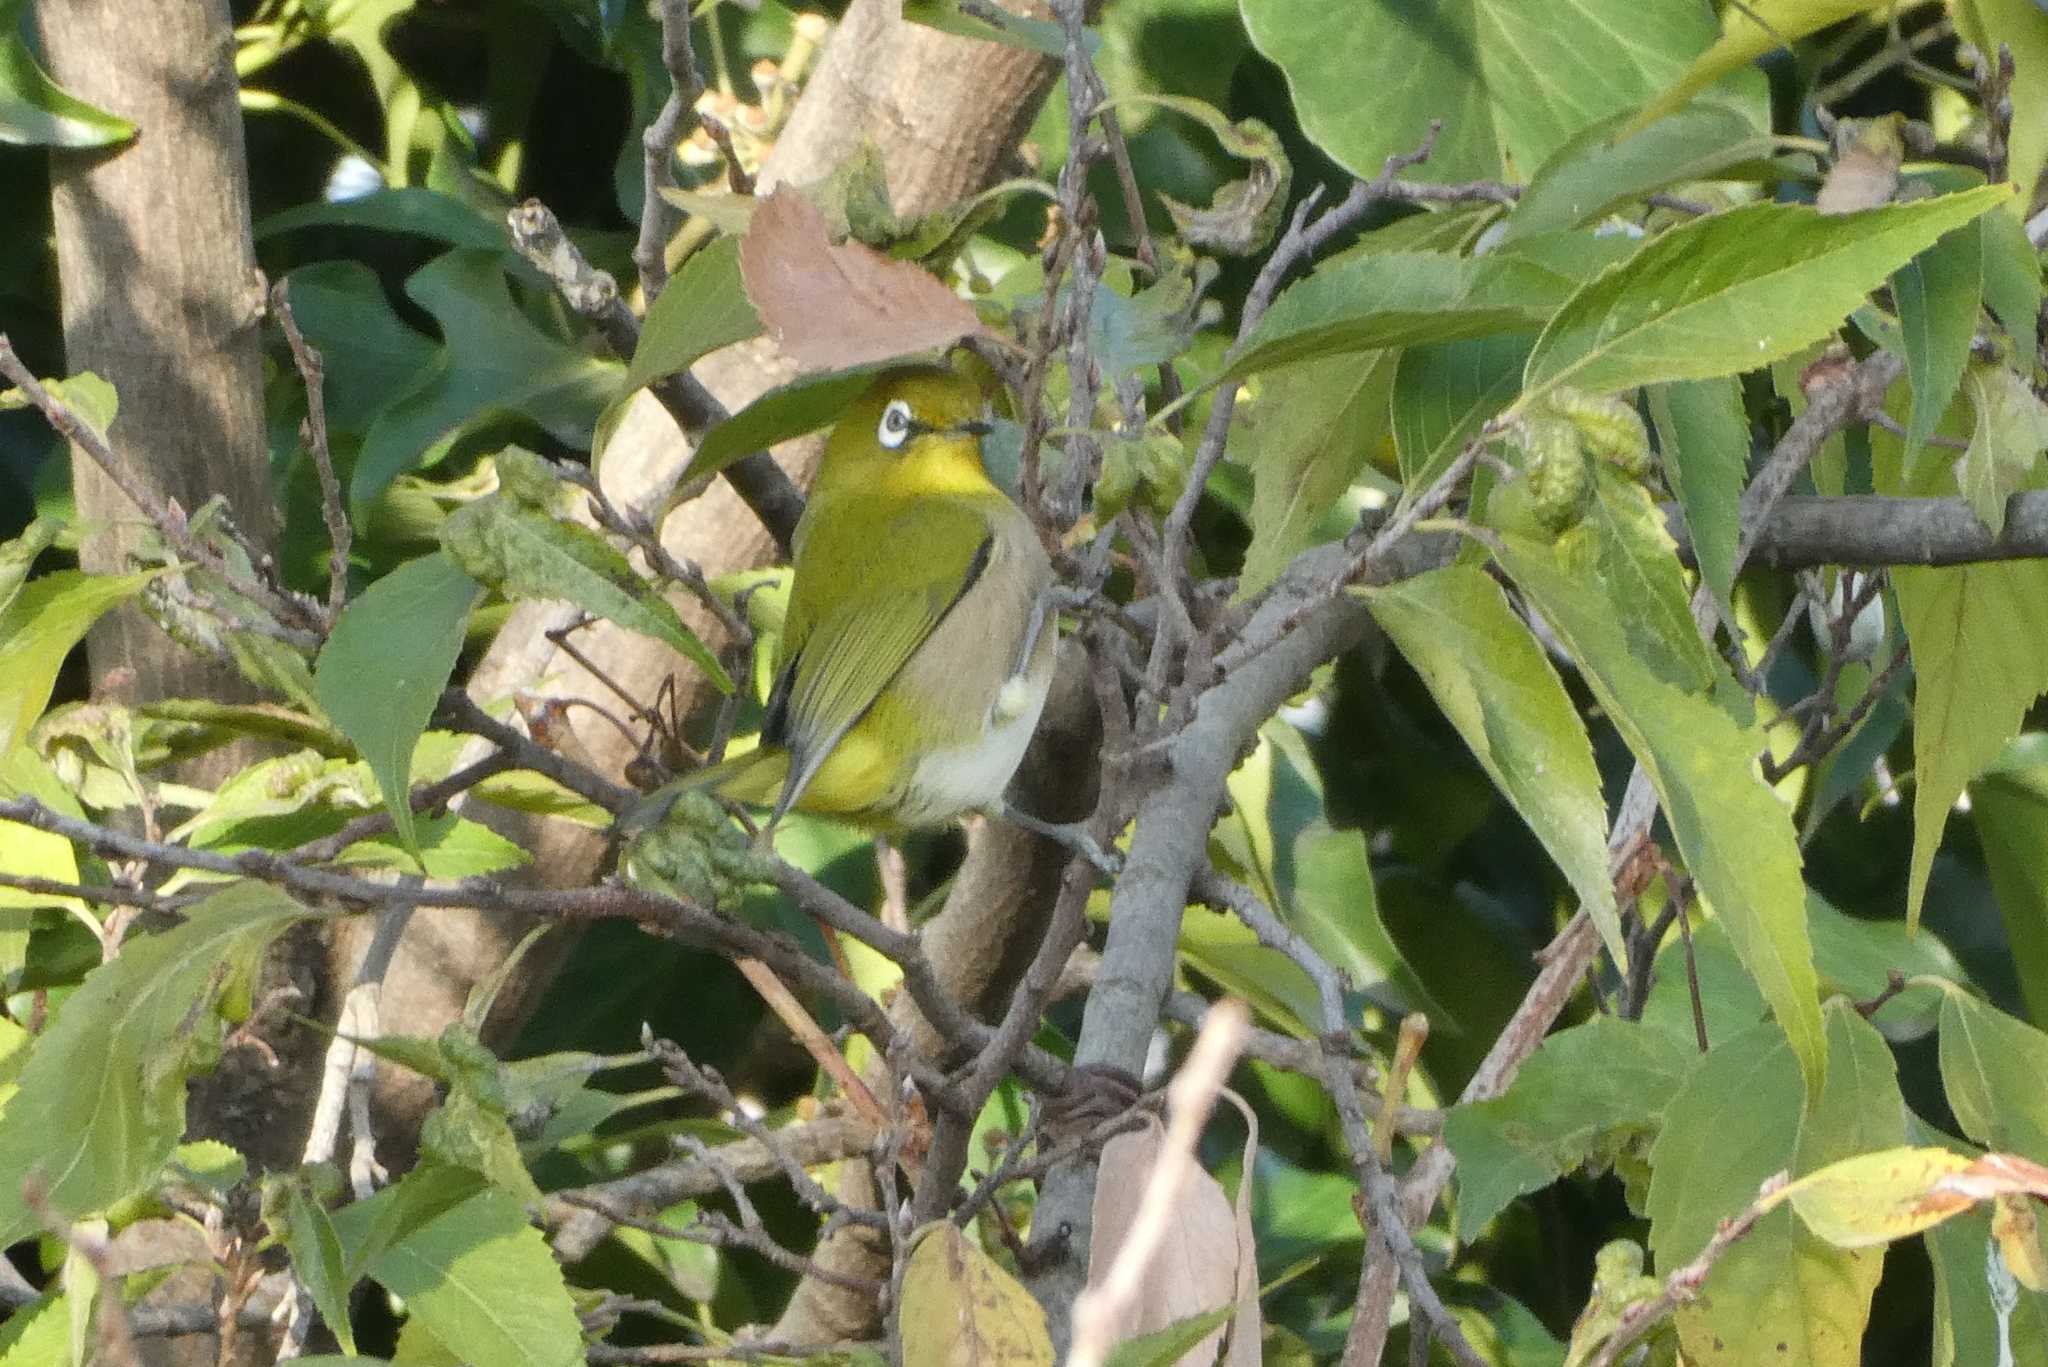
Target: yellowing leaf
{"type": "Point", "coordinates": [836, 305]}
{"type": "Point", "coordinates": [961, 1310]}
{"type": "Point", "coordinates": [1749, 31]}
{"type": "Point", "coordinates": [2019, 1238]}
{"type": "Point", "coordinates": [1874, 1198]}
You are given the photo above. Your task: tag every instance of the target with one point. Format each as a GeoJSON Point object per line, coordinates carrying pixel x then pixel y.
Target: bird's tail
{"type": "Point", "coordinates": [755, 778]}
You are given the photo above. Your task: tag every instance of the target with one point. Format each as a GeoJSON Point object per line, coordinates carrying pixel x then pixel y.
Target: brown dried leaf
{"type": "Point", "coordinates": [1204, 1262]}
{"type": "Point", "coordinates": [836, 305]}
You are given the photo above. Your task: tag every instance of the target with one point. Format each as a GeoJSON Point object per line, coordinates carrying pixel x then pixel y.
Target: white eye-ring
{"type": "Point", "coordinates": [896, 425]}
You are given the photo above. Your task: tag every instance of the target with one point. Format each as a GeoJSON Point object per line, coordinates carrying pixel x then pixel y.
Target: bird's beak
{"type": "Point", "coordinates": [978, 427]}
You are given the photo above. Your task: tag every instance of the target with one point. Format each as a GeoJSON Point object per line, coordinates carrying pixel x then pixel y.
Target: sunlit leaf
{"type": "Point", "coordinates": [49, 616]}
{"type": "Point", "coordinates": [1735, 291]}
{"type": "Point", "coordinates": [102, 1099]}
{"type": "Point", "coordinates": [1750, 30]}
{"type": "Point", "coordinates": [1512, 80]}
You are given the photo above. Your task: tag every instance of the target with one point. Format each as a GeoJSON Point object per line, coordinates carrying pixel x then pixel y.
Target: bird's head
{"type": "Point", "coordinates": [916, 430]}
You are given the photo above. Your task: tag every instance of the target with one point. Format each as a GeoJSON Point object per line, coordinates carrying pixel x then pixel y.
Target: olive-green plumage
{"type": "Point", "coordinates": [918, 644]}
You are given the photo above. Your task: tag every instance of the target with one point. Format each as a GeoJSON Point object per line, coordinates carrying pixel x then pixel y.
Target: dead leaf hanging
{"type": "Point", "coordinates": [833, 305]}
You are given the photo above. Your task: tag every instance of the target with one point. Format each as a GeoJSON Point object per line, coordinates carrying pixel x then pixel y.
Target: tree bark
{"type": "Point", "coordinates": [162, 298]}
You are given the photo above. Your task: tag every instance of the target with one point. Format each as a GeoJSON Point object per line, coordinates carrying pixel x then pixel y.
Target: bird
{"type": "Point", "coordinates": [918, 645]}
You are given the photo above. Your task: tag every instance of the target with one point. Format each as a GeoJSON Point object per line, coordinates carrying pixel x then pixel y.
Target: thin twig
{"type": "Point", "coordinates": [658, 218]}
{"type": "Point", "coordinates": [287, 608]}
{"type": "Point", "coordinates": [333, 511]}
{"type": "Point", "coordinates": [1684, 1283]}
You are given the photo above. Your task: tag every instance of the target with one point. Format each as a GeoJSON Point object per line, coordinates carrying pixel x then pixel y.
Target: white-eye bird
{"type": "Point", "coordinates": [918, 645]}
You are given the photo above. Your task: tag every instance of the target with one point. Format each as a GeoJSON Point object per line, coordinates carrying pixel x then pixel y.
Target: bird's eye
{"type": "Point", "coordinates": [896, 425]}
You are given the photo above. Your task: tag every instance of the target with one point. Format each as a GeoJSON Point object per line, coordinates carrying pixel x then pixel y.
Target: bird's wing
{"type": "Point", "coordinates": [851, 627]}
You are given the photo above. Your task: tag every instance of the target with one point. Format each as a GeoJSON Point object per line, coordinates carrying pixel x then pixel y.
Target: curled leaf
{"type": "Point", "coordinates": [1243, 214]}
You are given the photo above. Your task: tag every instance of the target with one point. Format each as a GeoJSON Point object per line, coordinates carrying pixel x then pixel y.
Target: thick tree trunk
{"type": "Point", "coordinates": [161, 298]}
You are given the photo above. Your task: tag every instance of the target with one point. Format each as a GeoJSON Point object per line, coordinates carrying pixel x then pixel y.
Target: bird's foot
{"type": "Point", "coordinates": [1071, 834]}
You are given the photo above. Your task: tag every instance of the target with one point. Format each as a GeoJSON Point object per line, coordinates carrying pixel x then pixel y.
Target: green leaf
{"type": "Point", "coordinates": [1975, 632]}
{"type": "Point", "coordinates": [383, 668]}
{"type": "Point", "coordinates": [481, 1276]}
{"type": "Point", "coordinates": [1991, 1071]}
{"type": "Point", "coordinates": [369, 1227]}
{"type": "Point", "coordinates": [1939, 294]}
{"type": "Point", "coordinates": [2011, 814]}
{"type": "Point", "coordinates": [47, 618]}
{"type": "Point", "coordinates": [1585, 1088]}
{"type": "Point", "coordinates": [805, 404]}
{"type": "Point", "coordinates": [1751, 29]}
{"type": "Point", "coordinates": [1386, 299]}
{"type": "Point", "coordinates": [995, 26]}
{"type": "Point", "coordinates": [1495, 684]}
{"type": "Point", "coordinates": [1735, 291]}
{"type": "Point", "coordinates": [102, 1099]}
{"type": "Point", "coordinates": [36, 112]}
{"type": "Point", "coordinates": [371, 359]}
{"type": "Point", "coordinates": [2012, 277]}
{"type": "Point", "coordinates": [1335, 906]}
{"type": "Point", "coordinates": [1511, 80]}
{"type": "Point", "coordinates": [211, 1164]}
{"type": "Point", "coordinates": [317, 1261]}
{"type": "Point", "coordinates": [704, 308]}
{"type": "Point", "coordinates": [524, 552]}
{"type": "Point", "coordinates": [1855, 957]}
{"type": "Point", "coordinates": [1733, 833]}
{"type": "Point", "coordinates": [1638, 563]}
{"type": "Point", "coordinates": [1597, 171]}
{"type": "Point", "coordinates": [1444, 392]}
{"type": "Point", "coordinates": [1165, 1347]}
{"type": "Point", "coordinates": [2005, 449]}
{"type": "Point", "coordinates": [557, 385]}
{"type": "Point", "coordinates": [1703, 436]}
{"type": "Point", "coordinates": [1780, 1294]}
{"type": "Point", "coordinates": [412, 209]}
{"type": "Point", "coordinates": [1305, 440]}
